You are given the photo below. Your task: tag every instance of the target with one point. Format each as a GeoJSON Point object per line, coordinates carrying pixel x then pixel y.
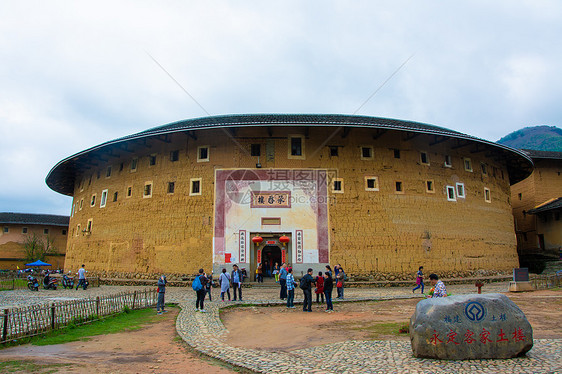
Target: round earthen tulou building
{"type": "Point", "coordinates": [378, 196]}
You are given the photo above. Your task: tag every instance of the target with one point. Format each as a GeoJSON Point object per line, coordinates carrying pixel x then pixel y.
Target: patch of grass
{"type": "Point", "coordinates": [377, 329]}
{"type": "Point", "coordinates": [133, 320]}
{"type": "Point", "coordinates": [8, 284]}
{"type": "Point", "coordinates": [20, 366]}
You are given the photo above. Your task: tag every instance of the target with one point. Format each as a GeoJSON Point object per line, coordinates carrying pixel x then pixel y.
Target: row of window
{"type": "Point", "coordinates": [195, 190]}
{"type": "Point", "coordinates": [372, 184]}
{"type": "Point", "coordinates": [24, 230]}
{"type": "Point", "coordinates": [202, 156]}
{"type": "Point", "coordinates": [86, 230]}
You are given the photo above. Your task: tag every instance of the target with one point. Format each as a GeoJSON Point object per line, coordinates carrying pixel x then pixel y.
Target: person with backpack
{"type": "Point", "coordinates": [224, 281]}
{"type": "Point", "coordinates": [237, 278]}
{"type": "Point", "coordinates": [290, 289]}
{"type": "Point", "coordinates": [306, 287]}
{"type": "Point", "coordinates": [198, 286]}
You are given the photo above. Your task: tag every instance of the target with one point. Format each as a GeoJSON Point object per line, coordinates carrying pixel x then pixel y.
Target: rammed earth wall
{"type": "Point", "coordinates": [375, 231]}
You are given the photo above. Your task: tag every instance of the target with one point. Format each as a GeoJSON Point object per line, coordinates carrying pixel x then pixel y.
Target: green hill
{"type": "Point", "coordinates": [539, 138]}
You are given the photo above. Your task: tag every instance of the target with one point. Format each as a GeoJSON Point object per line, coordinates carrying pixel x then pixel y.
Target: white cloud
{"type": "Point", "coordinates": [76, 74]}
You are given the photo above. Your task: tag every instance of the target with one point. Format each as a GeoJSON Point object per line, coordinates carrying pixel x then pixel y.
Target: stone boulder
{"type": "Point", "coordinates": [463, 327]}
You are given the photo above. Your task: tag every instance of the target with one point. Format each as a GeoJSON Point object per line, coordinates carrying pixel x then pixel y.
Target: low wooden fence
{"type": "Point", "coordinates": [17, 323]}
{"type": "Point", "coordinates": [541, 282]}
{"type": "Point", "coordinates": [8, 284]}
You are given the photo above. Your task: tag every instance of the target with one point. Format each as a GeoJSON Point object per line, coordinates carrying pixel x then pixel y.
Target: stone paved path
{"type": "Point", "coordinates": [205, 332]}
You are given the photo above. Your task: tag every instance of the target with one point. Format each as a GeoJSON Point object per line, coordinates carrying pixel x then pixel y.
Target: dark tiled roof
{"type": "Point", "coordinates": [555, 204]}
{"type": "Point", "coordinates": [62, 177]}
{"type": "Point", "coordinates": [543, 154]}
{"type": "Point", "coordinates": [33, 219]}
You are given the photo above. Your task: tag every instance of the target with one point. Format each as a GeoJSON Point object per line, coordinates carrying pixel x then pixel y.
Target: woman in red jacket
{"type": "Point", "coordinates": [319, 287]}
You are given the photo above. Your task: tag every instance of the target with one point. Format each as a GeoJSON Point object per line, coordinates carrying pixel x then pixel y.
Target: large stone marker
{"type": "Point", "coordinates": [464, 327]}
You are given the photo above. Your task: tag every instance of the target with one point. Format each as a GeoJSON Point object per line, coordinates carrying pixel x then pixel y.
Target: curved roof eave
{"type": "Point", "coordinates": [289, 120]}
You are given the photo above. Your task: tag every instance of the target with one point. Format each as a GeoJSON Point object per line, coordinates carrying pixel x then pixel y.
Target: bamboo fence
{"type": "Point", "coordinates": [541, 282]}
{"type": "Point", "coordinates": [17, 323]}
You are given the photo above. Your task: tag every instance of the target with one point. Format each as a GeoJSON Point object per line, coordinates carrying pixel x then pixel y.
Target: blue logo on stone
{"type": "Point", "coordinates": [475, 311]}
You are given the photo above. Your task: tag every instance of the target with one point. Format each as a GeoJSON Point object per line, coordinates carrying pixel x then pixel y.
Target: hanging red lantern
{"type": "Point", "coordinates": [284, 240]}
{"type": "Point", "coordinates": [257, 239]}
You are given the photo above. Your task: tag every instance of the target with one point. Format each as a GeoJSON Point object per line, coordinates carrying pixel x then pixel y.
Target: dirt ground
{"type": "Point", "coordinates": [279, 328]}
{"type": "Point", "coordinates": [152, 349]}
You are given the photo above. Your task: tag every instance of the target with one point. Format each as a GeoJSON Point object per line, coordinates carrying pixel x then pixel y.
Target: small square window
{"type": "Point", "coordinates": [296, 147]}
{"type": "Point", "coordinates": [398, 187]}
{"type": "Point", "coordinates": [255, 149]}
{"type": "Point", "coordinates": [134, 162]}
{"type": "Point", "coordinates": [108, 172]}
{"type": "Point", "coordinates": [171, 187]}
{"type": "Point", "coordinates": [203, 153]}
{"type": "Point", "coordinates": [424, 158]}
{"type": "Point", "coordinates": [103, 199]}
{"type": "Point", "coordinates": [6, 229]}
{"type": "Point", "coordinates": [81, 203]}
{"type": "Point", "coordinates": [77, 229]}
{"type": "Point", "coordinates": [467, 164]}
{"type": "Point", "coordinates": [520, 195]}
{"type": "Point", "coordinates": [63, 232]}
{"type": "Point", "coordinates": [448, 161]}
{"type": "Point", "coordinates": [371, 183]}
{"type": "Point", "coordinates": [93, 200]}
{"type": "Point", "coordinates": [147, 192]}
{"type": "Point", "coordinates": [195, 187]}
{"type": "Point", "coordinates": [484, 168]}
{"type": "Point", "coordinates": [121, 166]}
{"type": "Point", "coordinates": [334, 152]}
{"type": "Point", "coordinates": [366, 153]}
{"type": "Point", "coordinates": [174, 156]}
{"type": "Point", "coordinates": [337, 185]}
{"type": "Point", "coordinates": [129, 191]}
{"type": "Point", "coordinates": [487, 195]}
{"type": "Point", "coordinates": [24, 230]}
{"type": "Point", "coordinates": [46, 231]}
{"type": "Point", "coordinates": [90, 181]}
{"type": "Point", "coordinates": [89, 227]}
{"type": "Point", "coordinates": [151, 160]}
{"type": "Point", "coordinates": [115, 194]}
{"type": "Point", "coordinates": [460, 190]}
{"type": "Point", "coordinates": [451, 193]}
{"type": "Point", "coordinates": [429, 186]}
{"type": "Point", "coordinates": [396, 153]}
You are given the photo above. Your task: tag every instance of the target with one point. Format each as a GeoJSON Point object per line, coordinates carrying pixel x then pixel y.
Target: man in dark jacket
{"type": "Point", "coordinates": [237, 278]}
{"type": "Point", "coordinates": [306, 286]}
{"type": "Point", "coordinates": [161, 291]}
{"type": "Point", "coordinates": [201, 293]}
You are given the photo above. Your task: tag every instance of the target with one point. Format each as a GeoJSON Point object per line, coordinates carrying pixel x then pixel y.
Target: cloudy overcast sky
{"type": "Point", "coordinates": [73, 75]}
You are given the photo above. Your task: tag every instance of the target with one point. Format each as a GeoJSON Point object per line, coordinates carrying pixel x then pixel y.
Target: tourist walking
{"type": "Point", "coordinates": [306, 287]}
{"type": "Point", "coordinates": [161, 292]}
{"type": "Point", "coordinates": [237, 278]}
{"type": "Point", "coordinates": [209, 285]}
{"type": "Point", "coordinates": [439, 289]}
{"type": "Point", "coordinates": [290, 289]}
{"type": "Point", "coordinates": [340, 278]}
{"type": "Point", "coordinates": [199, 287]}
{"type": "Point", "coordinates": [224, 282]}
{"type": "Point", "coordinates": [328, 287]}
{"type": "Point", "coordinates": [319, 290]}
{"type": "Point", "coordinates": [81, 278]}
{"type": "Point", "coordinates": [419, 280]}
{"type": "Point", "coordinates": [276, 272]}
{"type": "Point", "coordinates": [283, 281]}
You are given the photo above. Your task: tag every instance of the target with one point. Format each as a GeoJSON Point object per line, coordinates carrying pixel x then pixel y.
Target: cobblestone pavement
{"type": "Point", "coordinates": [206, 333]}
